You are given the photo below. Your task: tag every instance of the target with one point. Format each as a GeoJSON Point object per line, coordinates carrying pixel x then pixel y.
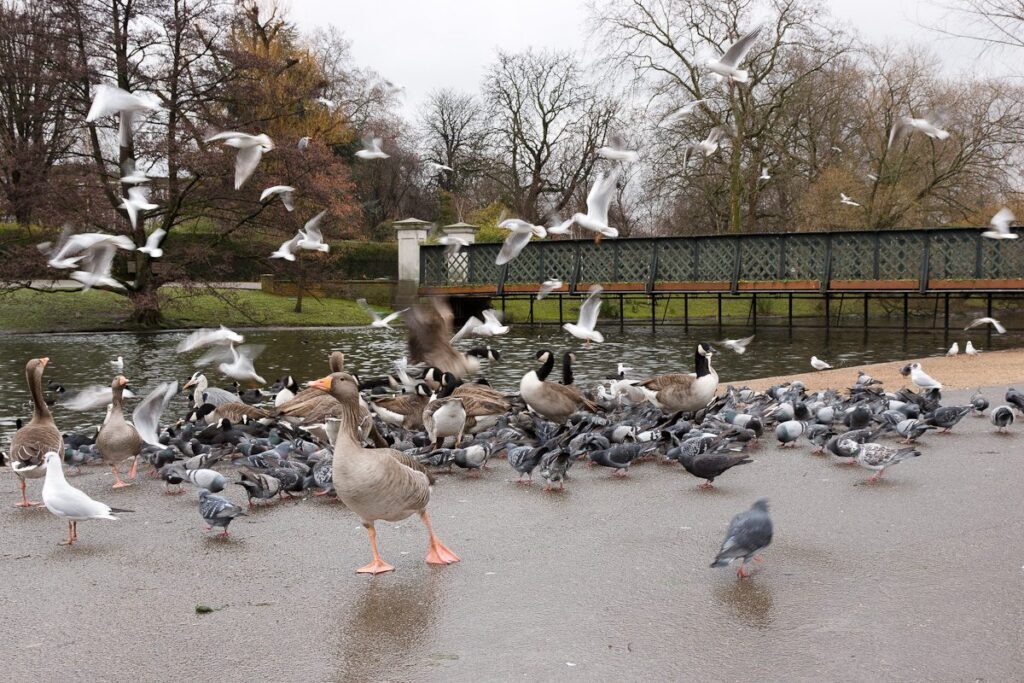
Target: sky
{"type": "Point", "coordinates": [427, 44]}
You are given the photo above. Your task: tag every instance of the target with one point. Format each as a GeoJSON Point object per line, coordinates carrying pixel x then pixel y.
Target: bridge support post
{"type": "Point", "coordinates": [622, 314]}
{"type": "Point", "coordinates": [791, 310]}
{"type": "Point", "coordinates": [906, 311]}
{"type": "Point", "coordinates": [560, 321]}
{"type": "Point", "coordinates": [945, 313]}
{"type": "Point", "coordinates": [866, 295]}
{"type": "Point", "coordinates": [654, 311]}
{"type": "Point", "coordinates": [828, 311]}
{"type": "Point", "coordinates": [753, 309]}
{"type": "Point", "coordinates": [719, 310]}
{"type": "Point", "coordinates": [531, 309]}
{"type": "Point", "coordinates": [686, 311]}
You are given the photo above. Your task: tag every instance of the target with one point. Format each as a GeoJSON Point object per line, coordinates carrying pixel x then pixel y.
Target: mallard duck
{"type": "Point", "coordinates": [684, 392]}
{"type": "Point", "coordinates": [33, 441]}
{"type": "Point", "coordinates": [118, 439]}
{"type": "Point", "coordinates": [551, 400]}
{"type": "Point", "coordinates": [445, 415]}
{"type": "Point", "coordinates": [377, 483]}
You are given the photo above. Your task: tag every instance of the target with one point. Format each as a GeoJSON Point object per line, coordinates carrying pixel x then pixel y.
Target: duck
{"type": "Point", "coordinates": [118, 439]}
{"type": "Point", "coordinates": [403, 410]}
{"type": "Point", "coordinates": [684, 392]}
{"type": "Point", "coordinates": [204, 393]}
{"type": "Point", "coordinates": [377, 483]}
{"type": "Point", "coordinates": [445, 415]}
{"type": "Point", "coordinates": [33, 441]}
{"type": "Point", "coordinates": [551, 400]}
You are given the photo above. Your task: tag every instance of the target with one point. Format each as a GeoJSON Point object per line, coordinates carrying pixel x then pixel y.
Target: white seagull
{"type": "Point", "coordinates": [312, 238]}
{"type": "Point", "coordinates": [379, 321]}
{"type": "Point", "coordinates": [616, 150]}
{"type": "Point", "coordinates": [108, 100]}
{"type": "Point", "coordinates": [1001, 224]}
{"type": "Point", "coordinates": [304, 142]}
{"type": "Point", "coordinates": [987, 321]}
{"type": "Point", "coordinates": [437, 168]}
{"type": "Point", "coordinates": [152, 248]}
{"type": "Point", "coordinates": [241, 368]}
{"type": "Point", "coordinates": [764, 174]}
{"type": "Point", "coordinates": [286, 192]}
{"type": "Point", "coordinates": [970, 350]}
{"type": "Point", "coordinates": [65, 501]}
{"type": "Point", "coordinates": [490, 326]}
{"type": "Point", "coordinates": [585, 327]}
{"type": "Point", "coordinates": [131, 175]}
{"type": "Point", "coordinates": [118, 363]}
{"type": "Point", "coordinates": [547, 287]}
{"type": "Point", "coordinates": [136, 202]}
{"type": "Point", "coordinates": [953, 350]}
{"type": "Point", "coordinates": [681, 112]}
{"type": "Point", "coordinates": [921, 379]}
{"type": "Point", "coordinates": [843, 199]}
{"type": "Point", "coordinates": [560, 227]}
{"type": "Point", "coordinates": [819, 364]}
{"type": "Point", "coordinates": [250, 151]}
{"type": "Point", "coordinates": [520, 236]}
{"type": "Point", "coordinates": [222, 336]}
{"type": "Point", "coordinates": [737, 345]}
{"type": "Point", "coordinates": [907, 124]}
{"type": "Point", "coordinates": [287, 250]}
{"type": "Point", "coordinates": [453, 244]}
{"type": "Point", "coordinates": [372, 149]}
{"type": "Point", "coordinates": [707, 146]}
{"type": "Point", "coordinates": [726, 65]}
{"type": "Point", "coordinates": [598, 201]}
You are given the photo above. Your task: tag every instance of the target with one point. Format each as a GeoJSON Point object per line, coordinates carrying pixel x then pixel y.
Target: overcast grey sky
{"type": "Point", "coordinates": [426, 44]}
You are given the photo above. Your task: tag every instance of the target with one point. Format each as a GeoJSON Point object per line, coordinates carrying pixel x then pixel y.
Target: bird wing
{"type": "Point", "coordinates": [393, 315]}
{"type": "Point", "coordinates": [312, 227]}
{"type": "Point", "coordinates": [245, 163]}
{"type": "Point", "coordinates": [155, 238]}
{"type": "Point", "coordinates": [70, 502]}
{"type": "Point", "coordinates": [146, 416]}
{"type": "Point", "coordinates": [738, 50]}
{"type": "Point", "coordinates": [468, 329]}
{"type": "Point", "coordinates": [514, 244]}
{"type": "Point", "coordinates": [368, 309]}
{"type": "Point", "coordinates": [898, 127]}
{"type": "Point", "coordinates": [591, 308]}
{"type": "Point", "coordinates": [600, 197]}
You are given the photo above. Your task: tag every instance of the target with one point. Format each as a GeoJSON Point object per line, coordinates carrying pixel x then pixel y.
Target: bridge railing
{"type": "Point", "coordinates": [898, 260]}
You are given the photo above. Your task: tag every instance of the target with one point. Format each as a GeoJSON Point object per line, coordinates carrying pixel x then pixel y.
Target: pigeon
{"type": "Point", "coordinates": [749, 532]}
{"type": "Point", "coordinates": [553, 467]}
{"type": "Point", "coordinates": [372, 149]}
{"type": "Point", "coordinates": [1001, 224]}
{"type": "Point", "coordinates": [876, 456]}
{"type": "Point", "coordinates": [616, 151]}
{"type": "Point", "coordinates": [221, 336]}
{"type": "Point", "coordinates": [987, 321]}
{"type": "Point", "coordinates": [921, 379]}
{"type": "Point", "coordinates": [217, 511]}
{"type": "Point", "coordinates": [970, 350]}
{"type": "Point", "coordinates": [285, 192]}
{"type": "Point", "coordinates": [1002, 417]}
{"type": "Point", "coordinates": [585, 327]}
{"type": "Point", "coordinates": [866, 380]}
{"type": "Point", "coordinates": [953, 350]}
{"type": "Point", "coordinates": [152, 247]}
{"type": "Point", "coordinates": [287, 250]}
{"type": "Point", "coordinates": [378, 321]}
{"type": "Point", "coordinates": [843, 199]}
{"type": "Point", "coordinates": [250, 151]}
{"type": "Point", "coordinates": [67, 502]}
{"type": "Point", "coordinates": [135, 203]}
{"type": "Point", "coordinates": [912, 429]}
{"type": "Point", "coordinates": [948, 416]}
{"type": "Point", "coordinates": [598, 200]}
{"type": "Point", "coordinates": [547, 287]}
{"type": "Point", "coordinates": [819, 364]}
{"type": "Point", "coordinates": [524, 460]}
{"type": "Point", "coordinates": [707, 465]}
{"type": "Point", "coordinates": [619, 457]}
{"type": "Point", "coordinates": [203, 478]}
{"type": "Point", "coordinates": [789, 432]}
{"type": "Point", "coordinates": [311, 237]}
{"type": "Point", "coordinates": [907, 124]}
{"type": "Point", "coordinates": [259, 486]}
{"type": "Point", "coordinates": [979, 403]}
{"type": "Point", "coordinates": [726, 65]}
{"type": "Point", "coordinates": [517, 239]}
{"type": "Point", "coordinates": [737, 345]}
{"type": "Point", "coordinates": [1016, 398]}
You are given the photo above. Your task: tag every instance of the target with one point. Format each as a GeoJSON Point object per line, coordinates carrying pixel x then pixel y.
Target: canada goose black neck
{"type": "Point", "coordinates": [567, 376]}
{"type": "Point", "coordinates": [448, 385]}
{"type": "Point", "coordinates": [701, 364]}
{"type": "Point", "coordinates": [545, 369]}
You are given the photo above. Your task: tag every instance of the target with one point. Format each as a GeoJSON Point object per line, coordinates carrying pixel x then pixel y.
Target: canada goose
{"type": "Point", "coordinates": [204, 393]}
{"type": "Point", "coordinates": [430, 333]}
{"type": "Point", "coordinates": [684, 392]}
{"type": "Point", "coordinates": [445, 415]}
{"type": "Point", "coordinates": [483, 405]}
{"type": "Point", "coordinates": [551, 400]}
{"type": "Point", "coordinates": [403, 410]}
{"type": "Point", "coordinates": [287, 392]}
{"type": "Point", "coordinates": [40, 436]}
{"type": "Point", "coordinates": [378, 483]}
{"type": "Point", "coordinates": [234, 412]}
{"type": "Point", "coordinates": [118, 440]}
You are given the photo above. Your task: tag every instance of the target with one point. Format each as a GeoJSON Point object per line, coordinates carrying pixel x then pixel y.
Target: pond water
{"type": "Point", "coordinates": [77, 360]}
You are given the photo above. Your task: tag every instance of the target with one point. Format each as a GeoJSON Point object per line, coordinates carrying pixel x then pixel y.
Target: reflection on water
{"type": "Point", "coordinates": [81, 359]}
{"type": "Point", "coordinates": [749, 601]}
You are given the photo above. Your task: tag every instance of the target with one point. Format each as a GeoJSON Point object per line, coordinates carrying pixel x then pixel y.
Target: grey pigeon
{"type": "Point", "coordinates": [553, 468]}
{"type": "Point", "coordinates": [1015, 398]}
{"type": "Point", "coordinates": [947, 417]}
{"type": "Point", "coordinates": [217, 511]}
{"type": "Point", "coordinates": [979, 403]}
{"type": "Point", "coordinates": [875, 456]}
{"type": "Point", "coordinates": [1002, 417]}
{"type": "Point", "coordinates": [207, 479]}
{"type": "Point", "coordinates": [259, 486]}
{"type": "Point", "coordinates": [749, 532]}
{"type": "Point", "coordinates": [911, 429]}
{"type": "Point", "coordinates": [789, 431]}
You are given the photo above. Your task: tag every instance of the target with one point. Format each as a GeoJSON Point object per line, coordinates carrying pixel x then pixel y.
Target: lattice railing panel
{"type": "Point", "coordinates": [597, 262]}
{"type": "Point", "coordinates": [853, 257]}
{"type": "Point", "coordinates": [526, 268]}
{"type": "Point", "coordinates": [717, 260]}
{"type": "Point", "coordinates": [899, 255]}
{"type": "Point", "coordinates": [482, 268]}
{"type": "Point", "coordinates": [675, 261]}
{"type": "Point", "coordinates": [805, 257]}
{"type": "Point", "coordinates": [952, 256]}
{"type": "Point", "coordinates": [632, 261]}
{"type": "Point", "coordinates": [1002, 259]}
{"type": "Point", "coordinates": [432, 267]}
{"type": "Point", "coordinates": [759, 259]}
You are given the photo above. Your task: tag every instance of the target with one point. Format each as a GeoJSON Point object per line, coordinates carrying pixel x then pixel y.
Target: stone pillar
{"type": "Point", "coordinates": [458, 264]}
{"type": "Point", "coordinates": [411, 233]}
{"type": "Point", "coordinates": [464, 230]}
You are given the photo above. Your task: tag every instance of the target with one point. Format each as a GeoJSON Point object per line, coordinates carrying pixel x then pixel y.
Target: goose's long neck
{"type": "Point", "coordinates": [567, 376]}
{"type": "Point", "coordinates": [35, 387]}
{"type": "Point", "coordinates": [117, 400]}
{"type": "Point", "coordinates": [702, 365]}
{"type": "Point", "coordinates": [349, 427]}
{"type": "Point", "coordinates": [544, 370]}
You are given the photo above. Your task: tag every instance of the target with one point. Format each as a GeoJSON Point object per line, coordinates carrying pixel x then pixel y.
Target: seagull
{"type": "Point", "coordinates": [490, 326]}
{"type": "Point", "coordinates": [453, 244]}
{"type": "Point", "coordinates": [97, 263]}
{"type": "Point", "coordinates": [287, 193]}
{"type": "Point", "coordinates": [708, 145]}
{"type": "Point", "coordinates": [749, 532]}
{"type": "Point", "coordinates": [250, 151]}
{"type": "Point", "coordinates": [241, 368]}
{"type": "Point", "coordinates": [681, 112]}
{"type": "Point", "coordinates": [953, 350]}
{"type": "Point", "coordinates": [76, 248]}
{"type": "Point", "coordinates": [598, 201]}
{"type": "Point", "coordinates": [92, 397]}
{"type": "Point", "coordinates": [132, 176]}
{"type": "Point", "coordinates": [67, 502]}
{"type": "Point", "coordinates": [737, 345]}
{"type": "Point", "coordinates": [146, 416]}
{"type": "Point", "coordinates": [987, 321]}
{"type": "Point", "coordinates": [872, 177]}
{"type": "Point", "coordinates": [1001, 222]}
{"type": "Point", "coordinates": [152, 248]}
{"type": "Point", "coordinates": [725, 66]}
{"type": "Point", "coordinates": [108, 100]}
{"type": "Point", "coordinates": [907, 124]}
{"type": "Point", "coordinates": [921, 379]}
{"type": "Point", "coordinates": [585, 327]}
{"type": "Point", "coordinates": [312, 238]}
{"type": "Point", "coordinates": [547, 287]}
{"type": "Point", "coordinates": [764, 174]}
{"type": "Point", "coordinates": [970, 350]}
{"type": "Point", "coordinates": [136, 202]}
{"type": "Point", "coordinates": [437, 168]}
{"type": "Point", "coordinates": [222, 336]}
{"type": "Point", "coordinates": [819, 364]}
{"type": "Point", "coordinates": [560, 227]}
{"type": "Point", "coordinates": [378, 321]}
{"type": "Point", "coordinates": [304, 142]}
{"type": "Point", "coordinates": [843, 199]}
{"type": "Point", "coordinates": [371, 149]}
{"type": "Point", "coordinates": [117, 363]}
{"type": "Point", "coordinates": [517, 240]}
{"type": "Point", "coordinates": [287, 250]}
{"type": "Point", "coordinates": [616, 151]}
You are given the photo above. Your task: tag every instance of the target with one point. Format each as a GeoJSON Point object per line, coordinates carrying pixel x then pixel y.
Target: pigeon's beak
{"type": "Point", "coordinates": [323, 384]}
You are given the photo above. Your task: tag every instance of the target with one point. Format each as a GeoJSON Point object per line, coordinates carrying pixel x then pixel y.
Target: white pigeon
{"type": "Point", "coordinates": [737, 345]}
{"type": "Point", "coordinates": [726, 65]}
{"type": "Point", "coordinates": [907, 124]}
{"type": "Point", "coordinates": [843, 199]}
{"type": "Point", "coordinates": [453, 244]}
{"type": "Point", "coordinates": [379, 321]}
{"type": "Point", "coordinates": [65, 501]}
{"type": "Point", "coordinates": [152, 248]}
{"type": "Point", "coordinates": [108, 100]}
{"type": "Point", "coordinates": [547, 287]}
{"type": "Point", "coordinates": [241, 368]}
{"type": "Point", "coordinates": [312, 238]}
{"type": "Point", "coordinates": [250, 151]}
{"type": "Point", "coordinates": [117, 363]}
{"type": "Point", "coordinates": [681, 112]}
{"type": "Point", "coordinates": [1001, 222]}
{"type": "Point", "coordinates": [221, 336]}
{"type": "Point", "coordinates": [287, 250]}
{"type": "Point", "coordinates": [953, 350]}
{"type": "Point", "coordinates": [372, 149]}
{"type": "Point", "coordinates": [764, 174]}
{"type": "Point", "coordinates": [490, 326]}
{"type": "Point", "coordinates": [286, 192]}
{"type": "Point", "coordinates": [921, 379]}
{"type": "Point", "coordinates": [598, 201]}
{"type": "Point", "coordinates": [517, 240]}
{"type": "Point", "coordinates": [970, 350]}
{"type": "Point", "coordinates": [987, 321]}
{"type": "Point", "coordinates": [304, 142]}
{"type": "Point", "coordinates": [437, 168]}
{"type": "Point", "coordinates": [585, 327]}
{"type": "Point", "coordinates": [819, 364]}
{"type": "Point", "coordinates": [616, 150]}
{"type": "Point", "coordinates": [136, 202]}
{"type": "Point", "coordinates": [131, 175]}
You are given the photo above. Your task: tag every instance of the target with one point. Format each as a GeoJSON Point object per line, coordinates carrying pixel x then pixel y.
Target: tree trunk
{"type": "Point", "coordinates": [146, 309]}
{"type": "Point", "coordinates": [736, 189]}
{"type": "Point", "coordinates": [301, 283]}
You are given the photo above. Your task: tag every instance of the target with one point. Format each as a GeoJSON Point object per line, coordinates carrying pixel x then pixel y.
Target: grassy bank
{"type": "Point", "coordinates": [30, 311]}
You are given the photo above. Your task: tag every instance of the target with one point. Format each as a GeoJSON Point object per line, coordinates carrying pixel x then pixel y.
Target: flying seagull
{"type": "Point", "coordinates": [616, 150]}
{"type": "Point", "coordinates": [598, 201]}
{"type": "Point", "coordinates": [547, 287]}
{"type": "Point", "coordinates": [372, 149]}
{"type": "Point", "coordinates": [737, 345]}
{"type": "Point", "coordinates": [152, 248]}
{"type": "Point", "coordinates": [585, 327]}
{"type": "Point", "coordinates": [250, 151]}
{"type": "Point", "coordinates": [843, 199]}
{"type": "Point", "coordinates": [907, 124]}
{"type": "Point", "coordinates": [517, 240]}
{"type": "Point", "coordinates": [726, 65]}
{"type": "Point", "coordinates": [312, 238]}
{"type": "Point", "coordinates": [379, 321]}
{"type": "Point", "coordinates": [987, 321]}
{"type": "Point", "coordinates": [1001, 224]}
{"type": "Point", "coordinates": [286, 192]}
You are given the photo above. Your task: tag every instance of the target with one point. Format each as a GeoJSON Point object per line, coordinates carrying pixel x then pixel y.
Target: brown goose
{"type": "Point", "coordinates": [32, 442]}
{"type": "Point", "coordinates": [118, 439]}
{"type": "Point", "coordinates": [684, 392]}
{"type": "Point", "coordinates": [430, 333]}
{"type": "Point", "coordinates": [551, 400]}
{"type": "Point", "coordinates": [310, 399]}
{"type": "Point", "coordinates": [377, 483]}
{"type": "Point", "coordinates": [404, 410]}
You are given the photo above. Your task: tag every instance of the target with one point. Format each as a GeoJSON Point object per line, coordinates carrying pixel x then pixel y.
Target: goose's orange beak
{"type": "Point", "coordinates": [123, 380]}
{"type": "Point", "coordinates": [44, 361]}
{"type": "Point", "coordinates": [323, 384]}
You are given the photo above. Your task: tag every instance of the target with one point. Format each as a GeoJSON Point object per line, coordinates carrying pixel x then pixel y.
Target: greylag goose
{"type": "Point", "coordinates": [684, 392]}
{"type": "Point", "coordinates": [377, 483]}
{"type": "Point", "coordinates": [33, 441]}
{"type": "Point", "coordinates": [551, 400]}
{"type": "Point", "coordinates": [118, 440]}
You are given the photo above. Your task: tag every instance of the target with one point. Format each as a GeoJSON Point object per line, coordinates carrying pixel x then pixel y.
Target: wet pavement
{"type": "Point", "coordinates": [919, 577]}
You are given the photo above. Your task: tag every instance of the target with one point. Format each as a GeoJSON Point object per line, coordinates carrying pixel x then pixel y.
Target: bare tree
{"type": "Point", "coordinates": [997, 23]}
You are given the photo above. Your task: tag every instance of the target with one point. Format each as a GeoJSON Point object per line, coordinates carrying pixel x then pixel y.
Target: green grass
{"type": "Point", "coordinates": [640, 308]}
{"type": "Point", "coordinates": [30, 311]}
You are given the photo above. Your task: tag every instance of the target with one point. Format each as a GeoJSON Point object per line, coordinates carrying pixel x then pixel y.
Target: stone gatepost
{"type": "Point", "coordinates": [458, 264]}
{"type": "Point", "coordinates": [411, 234]}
